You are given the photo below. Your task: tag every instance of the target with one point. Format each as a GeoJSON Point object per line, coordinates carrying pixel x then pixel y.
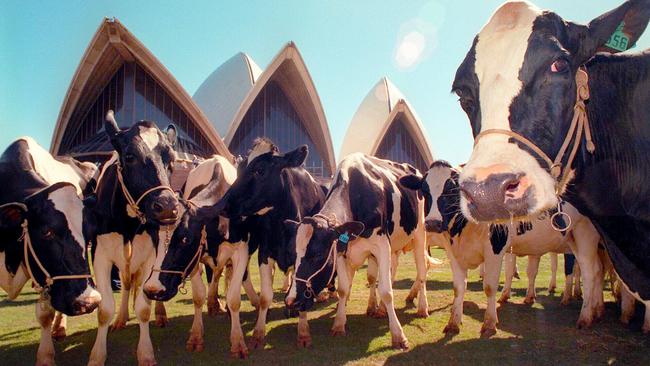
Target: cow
{"type": "Point", "coordinates": [366, 213]}
{"type": "Point", "coordinates": [44, 229]}
{"type": "Point", "coordinates": [532, 85]}
{"type": "Point", "coordinates": [469, 244]}
{"type": "Point", "coordinates": [134, 211]}
{"type": "Point", "coordinates": [269, 189]}
{"type": "Point", "coordinates": [201, 236]}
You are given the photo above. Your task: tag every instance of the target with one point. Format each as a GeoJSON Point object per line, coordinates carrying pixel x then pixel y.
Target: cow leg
{"type": "Point", "coordinates": [238, 347]}
{"type": "Point", "coordinates": [511, 261]}
{"type": "Point", "coordinates": [45, 316]}
{"type": "Point", "coordinates": [382, 252]}
{"type": "Point", "coordinates": [102, 266]}
{"type": "Point", "coordinates": [646, 319]}
{"type": "Point", "coordinates": [490, 286]}
{"type": "Point", "coordinates": [123, 314]}
{"type": "Point", "coordinates": [288, 278]}
{"type": "Point", "coordinates": [345, 275]}
{"type": "Point", "coordinates": [460, 286]}
{"type": "Point", "coordinates": [577, 288]}
{"type": "Point", "coordinates": [161, 314]}
{"type": "Point", "coordinates": [585, 247]}
{"type": "Point", "coordinates": [420, 252]}
{"type": "Point", "coordinates": [195, 341]}
{"type": "Point", "coordinates": [214, 305]}
{"type": "Point", "coordinates": [628, 304]}
{"type": "Point", "coordinates": [253, 297]}
{"type": "Point", "coordinates": [59, 326]}
{"type": "Point", "coordinates": [266, 298]}
{"type": "Point", "coordinates": [304, 335]}
{"type": "Point", "coordinates": [531, 272]}
{"type": "Point", "coordinates": [553, 284]}
{"type": "Point", "coordinates": [376, 309]}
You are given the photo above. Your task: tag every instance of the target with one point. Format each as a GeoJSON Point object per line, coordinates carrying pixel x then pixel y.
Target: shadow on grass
{"type": "Point", "coordinates": [6, 303]}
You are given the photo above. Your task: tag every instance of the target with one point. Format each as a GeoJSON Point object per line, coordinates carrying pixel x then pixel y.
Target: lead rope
{"type": "Point", "coordinates": [579, 125]}
{"type": "Point", "coordinates": [28, 249]}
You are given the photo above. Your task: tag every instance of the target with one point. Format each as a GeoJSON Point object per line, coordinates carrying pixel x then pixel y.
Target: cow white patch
{"type": "Point", "coordinates": [90, 295]}
{"type": "Point", "coordinates": [52, 170]}
{"type": "Point", "coordinates": [303, 236]}
{"type": "Point", "coordinates": [150, 136]}
{"type": "Point", "coordinates": [436, 179]}
{"type": "Point", "coordinates": [68, 203]}
{"type": "Point", "coordinates": [260, 149]}
{"type": "Point", "coordinates": [264, 211]}
{"type": "Point", "coordinates": [12, 284]}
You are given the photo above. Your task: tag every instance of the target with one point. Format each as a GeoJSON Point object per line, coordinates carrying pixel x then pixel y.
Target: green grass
{"type": "Point", "coordinates": [544, 333]}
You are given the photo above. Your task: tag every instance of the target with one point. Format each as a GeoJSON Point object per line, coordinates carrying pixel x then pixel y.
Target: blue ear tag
{"type": "Point", "coordinates": [342, 245]}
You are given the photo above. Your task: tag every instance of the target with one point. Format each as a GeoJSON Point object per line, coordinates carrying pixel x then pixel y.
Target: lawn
{"type": "Point", "coordinates": [543, 333]}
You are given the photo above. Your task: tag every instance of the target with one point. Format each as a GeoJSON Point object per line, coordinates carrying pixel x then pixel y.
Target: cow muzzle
{"type": "Point", "coordinates": [165, 209]}
{"type": "Point", "coordinates": [498, 196]}
{"type": "Point", "coordinates": [156, 291]}
{"type": "Point", "coordinates": [87, 302]}
{"type": "Point", "coordinates": [291, 308]}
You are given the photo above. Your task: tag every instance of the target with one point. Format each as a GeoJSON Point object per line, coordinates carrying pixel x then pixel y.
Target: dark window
{"type": "Point", "coordinates": [134, 95]}
{"type": "Point", "coordinates": [398, 145]}
{"type": "Point", "coordinates": [272, 115]}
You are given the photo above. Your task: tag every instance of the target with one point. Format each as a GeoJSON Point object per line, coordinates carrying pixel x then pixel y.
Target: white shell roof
{"type": "Point", "coordinates": [369, 120]}
{"type": "Point", "coordinates": [225, 89]}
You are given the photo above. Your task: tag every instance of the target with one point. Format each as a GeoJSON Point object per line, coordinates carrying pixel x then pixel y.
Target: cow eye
{"type": "Point", "coordinates": [48, 234]}
{"type": "Point", "coordinates": [467, 105]}
{"type": "Point", "coordinates": [559, 66]}
{"type": "Point", "coordinates": [129, 158]}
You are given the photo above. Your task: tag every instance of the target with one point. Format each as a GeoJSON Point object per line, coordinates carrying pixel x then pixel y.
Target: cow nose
{"type": "Point", "coordinates": [433, 226]}
{"type": "Point", "coordinates": [498, 197]}
{"type": "Point", "coordinates": [153, 290]}
{"type": "Point", "coordinates": [165, 209]}
{"type": "Point", "coordinates": [87, 303]}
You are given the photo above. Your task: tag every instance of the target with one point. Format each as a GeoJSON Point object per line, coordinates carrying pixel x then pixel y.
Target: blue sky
{"type": "Point", "coordinates": [347, 45]}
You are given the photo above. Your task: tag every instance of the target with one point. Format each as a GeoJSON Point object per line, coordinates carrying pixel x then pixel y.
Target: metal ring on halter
{"type": "Point", "coordinates": [563, 215]}
{"type": "Point", "coordinates": [309, 292]}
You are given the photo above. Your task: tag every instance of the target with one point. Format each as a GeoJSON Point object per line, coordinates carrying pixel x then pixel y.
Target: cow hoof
{"type": "Point", "coordinates": [504, 299]}
{"type": "Point", "coordinates": [410, 300]}
{"type": "Point", "coordinates": [551, 290]}
{"type": "Point", "coordinates": [58, 334]}
{"type": "Point", "coordinates": [487, 332]}
{"type": "Point", "coordinates": [338, 331]}
{"type": "Point", "coordinates": [583, 324]}
{"type": "Point", "coordinates": [194, 344]}
{"type": "Point", "coordinates": [401, 344]}
{"type": "Point", "coordinates": [45, 362]}
{"type": "Point", "coordinates": [334, 296]}
{"type": "Point", "coordinates": [118, 324]}
{"type": "Point", "coordinates": [625, 319]}
{"type": "Point", "coordinates": [379, 314]}
{"type": "Point", "coordinates": [147, 362]}
{"type": "Point", "coordinates": [565, 300]}
{"type": "Point", "coordinates": [161, 321]}
{"type": "Point", "coordinates": [424, 313]}
{"type": "Point", "coordinates": [529, 300]}
{"type": "Point", "coordinates": [257, 341]}
{"type": "Point", "coordinates": [304, 341]}
{"type": "Point", "coordinates": [239, 352]}
{"type": "Point", "coordinates": [451, 329]}
{"type": "Point", "coordinates": [645, 329]}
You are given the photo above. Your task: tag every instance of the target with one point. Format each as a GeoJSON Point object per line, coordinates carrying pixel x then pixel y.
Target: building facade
{"type": "Point", "coordinates": [386, 126]}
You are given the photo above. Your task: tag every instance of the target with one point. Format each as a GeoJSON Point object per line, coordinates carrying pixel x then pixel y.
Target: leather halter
{"type": "Point", "coordinates": [579, 125]}
{"type": "Point", "coordinates": [28, 249]}
{"type": "Point", "coordinates": [134, 205]}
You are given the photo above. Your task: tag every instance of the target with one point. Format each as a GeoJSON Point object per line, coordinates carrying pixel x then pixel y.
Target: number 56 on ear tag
{"type": "Point", "coordinates": [619, 41]}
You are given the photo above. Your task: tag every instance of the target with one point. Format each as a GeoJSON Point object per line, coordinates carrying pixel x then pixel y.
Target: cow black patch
{"type": "Point", "coordinates": [498, 237]}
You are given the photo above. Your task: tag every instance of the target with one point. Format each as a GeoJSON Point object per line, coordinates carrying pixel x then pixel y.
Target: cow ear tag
{"type": "Point", "coordinates": [619, 41]}
{"type": "Point", "coordinates": [342, 245]}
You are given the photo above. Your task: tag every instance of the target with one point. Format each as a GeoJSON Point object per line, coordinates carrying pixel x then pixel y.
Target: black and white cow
{"type": "Point", "coordinates": [45, 194]}
{"type": "Point", "coordinates": [521, 76]}
{"type": "Point", "coordinates": [201, 236]}
{"type": "Point", "coordinates": [469, 244]}
{"type": "Point", "coordinates": [366, 213]}
{"type": "Point", "coordinates": [270, 188]}
{"type": "Point", "coordinates": [128, 233]}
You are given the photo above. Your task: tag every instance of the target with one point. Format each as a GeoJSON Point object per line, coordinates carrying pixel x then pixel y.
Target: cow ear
{"type": "Point", "coordinates": [291, 227]}
{"type": "Point", "coordinates": [172, 134]}
{"type": "Point", "coordinates": [352, 228]}
{"type": "Point", "coordinates": [12, 215]}
{"type": "Point", "coordinates": [112, 130]}
{"type": "Point", "coordinates": [296, 158]}
{"type": "Point", "coordinates": [411, 181]}
{"type": "Point", "coordinates": [614, 31]}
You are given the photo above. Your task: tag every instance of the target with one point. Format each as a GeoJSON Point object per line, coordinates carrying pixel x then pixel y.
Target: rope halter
{"type": "Point", "coordinates": [28, 249]}
{"type": "Point", "coordinates": [133, 206]}
{"type": "Point", "coordinates": [203, 244]}
{"type": "Point", "coordinates": [579, 125]}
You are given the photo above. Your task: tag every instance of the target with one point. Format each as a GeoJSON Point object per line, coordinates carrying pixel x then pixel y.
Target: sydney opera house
{"type": "Point", "coordinates": [236, 103]}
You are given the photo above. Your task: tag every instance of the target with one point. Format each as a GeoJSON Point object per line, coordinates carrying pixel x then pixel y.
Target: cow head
{"type": "Point", "coordinates": [439, 186]}
{"type": "Point", "coordinates": [196, 227]}
{"type": "Point", "coordinates": [146, 156]}
{"type": "Point", "coordinates": [519, 76]}
{"type": "Point", "coordinates": [59, 226]}
{"type": "Point", "coordinates": [315, 256]}
{"type": "Point", "coordinates": [260, 185]}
